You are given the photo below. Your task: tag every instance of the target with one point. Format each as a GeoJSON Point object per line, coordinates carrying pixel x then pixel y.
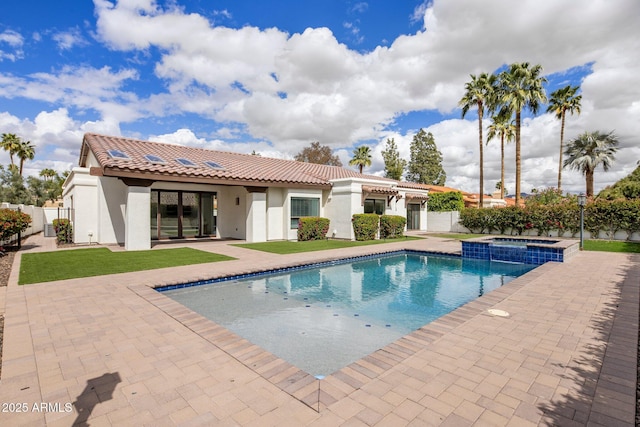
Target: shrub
{"type": "Point", "coordinates": [64, 230]}
{"type": "Point", "coordinates": [548, 196]}
{"type": "Point", "coordinates": [12, 222]}
{"type": "Point", "coordinates": [445, 202]}
{"type": "Point", "coordinates": [392, 226]}
{"type": "Point", "coordinates": [365, 226]}
{"type": "Point", "coordinates": [477, 220]}
{"type": "Point", "coordinates": [312, 228]}
{"type": "Point", "coordinates": [608, 216]}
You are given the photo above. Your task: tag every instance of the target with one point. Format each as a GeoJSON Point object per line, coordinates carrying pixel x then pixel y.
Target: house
{"type": "Point", "coordinates": [131, 192]}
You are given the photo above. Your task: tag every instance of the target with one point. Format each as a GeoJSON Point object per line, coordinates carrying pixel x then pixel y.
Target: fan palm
{"type": "Point", "coordinates": [25, 151]}
{"type": "Point", "coordinates": [361, 157]}
{"type": "Point", "coordinates": [502, 126]}
{"type": "Point", "coordinates": [478, 93]}
{"type": "Point", "coordinates": [562, 101]}
{"type": "Point", "coordinates": [10, 143]}
{"type": "Point", "coordinates": [590, 149]}
{"type": "Point", "coordinates": [520, 87]}
{"type": "Point", "coordinates": [48, 174]}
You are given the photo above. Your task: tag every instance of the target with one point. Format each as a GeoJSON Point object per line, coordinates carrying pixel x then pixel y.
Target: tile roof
{"type": "Point", "coordinates": [379, 190]}
{"type": "Point", "coordinates": [236, 168]}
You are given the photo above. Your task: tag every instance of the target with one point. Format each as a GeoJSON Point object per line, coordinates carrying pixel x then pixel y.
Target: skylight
{"type": "Point", "coordinates": [117, 154]}
{"type": "Point", "coordinates": [185, 162]}
{"type": "Point", "coordinates": [213, 165]}
{"type": "Point", "coordinates": [154, 159]}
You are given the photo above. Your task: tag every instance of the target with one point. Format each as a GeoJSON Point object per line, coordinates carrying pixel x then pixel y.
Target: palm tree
{"type": "Point", "coordinates": [562, 101]}
{"type": "Point", "coordinates": [10, 143]}
{"type": "Point", "coordinates": [589, 150]}
{"type": "Point", "coordinates": [479, 93]}
{"type": "Point", "coordinates": [48, 174]}
{"type": "Point", "coordinates": [361, 157]}
{"type": "Point", "coordinates": [25, 151]}
{"type": "Point", "coordinates": [504, 127]}
{"type": "Point", "coordinates": [520, 87]}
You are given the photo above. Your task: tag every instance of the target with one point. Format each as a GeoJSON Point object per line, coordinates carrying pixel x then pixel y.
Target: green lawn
{"type": "Point", "coordinates": [611, 246]}
{"type": "Point", "coordinates": [61, 265]}
{"type": "Point", "coordinates": [292, 247]}
{"type": "Point", "coordinates": [459, 236]}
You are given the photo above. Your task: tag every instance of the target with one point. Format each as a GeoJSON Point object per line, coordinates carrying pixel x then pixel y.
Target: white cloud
{"type": "Point", "coordinates": [67, 40]}
{"type": "Point", "coordinates": [290, 89]}
{"type": "Point", "coordinates": [14, 41]}
{"type": "Point", "coordinates": [55, 135]}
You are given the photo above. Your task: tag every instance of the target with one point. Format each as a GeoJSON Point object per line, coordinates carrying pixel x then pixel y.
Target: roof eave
{"type": "Point", "coordinates": [188, 179]}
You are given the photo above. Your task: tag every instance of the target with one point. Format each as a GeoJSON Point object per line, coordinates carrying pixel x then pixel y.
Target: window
{"type": "Point", "coordinates": [374, 206]}
{"type": "Point", "coordinates": [185, 162]}
{"type": "Point", "coordinates": [303, 206]}
{"type": "Point", "coordinates": [117, 154]}
{"type": "Point", "coordinates": [213, 165]}
{"type": "Point", "coordinates": [154, 159]}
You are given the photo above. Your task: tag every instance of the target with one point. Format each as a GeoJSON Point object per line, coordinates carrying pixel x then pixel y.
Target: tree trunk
{"type": "Point", "coordinates": [589, 178]}
{"type": "Point", "coordinates": [480, 110]}
{"type": "Point", "coordinates": [518, 160]}
{"type": "Point", "coordinates": [561, 148]}
{"type": "Point", "coordinates": [502, 166]}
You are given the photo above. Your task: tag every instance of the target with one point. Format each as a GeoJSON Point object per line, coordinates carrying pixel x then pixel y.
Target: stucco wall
{"type": "Point", "coordinates": [231, 216]}
{"type": "Point", "coordinates": [276, 220]}
{"type": "Point", "coordinates": [112, 204]}
{"type": "Point", "coordinates": [444, 222]}
{"type": "Point", "coordinates": [292, 234]}
{"type": "Point", "coordinates": [80, 193]}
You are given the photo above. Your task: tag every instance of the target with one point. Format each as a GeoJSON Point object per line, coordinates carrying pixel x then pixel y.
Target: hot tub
{"type": "Point", "coordinates": [522, 250]}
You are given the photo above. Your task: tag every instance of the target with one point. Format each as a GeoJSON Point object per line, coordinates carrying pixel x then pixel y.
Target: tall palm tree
{"type": "Point", "coordinates": [25, 151]}
{"type": "Point", "coordinates": [10, 143]}
{"type": "Point", "coordinates": [478, 93]}
{"type": "Point", "coordinates": [562, 101]}
{"type": "Point", "coordinates": [589, 150]}
{"type": "Point", "coordinates": [361, 157]}
{"type": "Point", "coordinates": [502, 126]}
{"type": "Point", "coordinates": [520, 87]}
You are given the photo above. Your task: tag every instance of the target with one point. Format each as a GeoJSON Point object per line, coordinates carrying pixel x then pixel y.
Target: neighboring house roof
{"type": "Point", "coordinates": [235, 168]}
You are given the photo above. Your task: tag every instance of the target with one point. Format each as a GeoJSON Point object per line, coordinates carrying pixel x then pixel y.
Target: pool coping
{"type": "Point", "coordinates": [317, 393]}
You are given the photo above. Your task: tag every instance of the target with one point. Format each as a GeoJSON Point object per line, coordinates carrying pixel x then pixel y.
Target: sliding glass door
{"type": "Point", "coordinates": [182, 214]}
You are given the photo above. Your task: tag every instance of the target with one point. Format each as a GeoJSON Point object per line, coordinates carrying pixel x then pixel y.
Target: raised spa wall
{"type": "Point", "coordinates": [535, 251]}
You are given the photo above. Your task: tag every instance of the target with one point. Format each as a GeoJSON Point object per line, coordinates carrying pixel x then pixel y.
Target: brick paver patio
{"type": "Point", "coordinates": [112, 351]}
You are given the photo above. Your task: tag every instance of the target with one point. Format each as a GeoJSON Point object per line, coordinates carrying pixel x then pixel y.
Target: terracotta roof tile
{"type": "Point", "coordinates": [234, 166]}
{"type": "Point", "coordinates": [378, 190]}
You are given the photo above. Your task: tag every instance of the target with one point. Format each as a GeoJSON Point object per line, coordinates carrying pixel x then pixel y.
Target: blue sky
{"type": "Point", "coordinates": [275, 76]}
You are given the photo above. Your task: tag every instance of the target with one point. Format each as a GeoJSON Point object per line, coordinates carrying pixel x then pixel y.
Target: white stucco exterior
{"type": "Point", "coordinates": [112, 198]}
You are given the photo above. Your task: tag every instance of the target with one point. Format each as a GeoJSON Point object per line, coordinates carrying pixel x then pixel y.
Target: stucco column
{"type": "Point", "coordinates": [423, 218]}
{"type": "Point", "coordinates": [137, 230]}
{"type": "Point", "coordinates": [256, 216]}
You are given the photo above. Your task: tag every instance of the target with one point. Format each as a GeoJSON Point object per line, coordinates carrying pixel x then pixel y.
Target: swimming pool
{"type": "Point", "coordinates": [321, 319]}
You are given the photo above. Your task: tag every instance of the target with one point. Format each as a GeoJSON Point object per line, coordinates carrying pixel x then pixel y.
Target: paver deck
{"type": "Point", "coordinates": [111, 351]}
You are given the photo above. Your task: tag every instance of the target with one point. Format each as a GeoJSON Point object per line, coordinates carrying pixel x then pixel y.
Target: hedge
{"type": "Point", "coordinates": [365, 226]}
{"type": "Point", "coordinates": [312, 228]}
{"type": "Point", "coordinates": [12, 222]}
{"type": "Point", "coordinates": [392, 226]}
{"type": "Point", "coordinates": [445, 202]}
{"type": "Point", "coordinates": [607, 216]}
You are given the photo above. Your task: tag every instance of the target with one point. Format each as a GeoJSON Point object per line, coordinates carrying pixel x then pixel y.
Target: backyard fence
{"type": "Point", "coordinates": [41, 220]}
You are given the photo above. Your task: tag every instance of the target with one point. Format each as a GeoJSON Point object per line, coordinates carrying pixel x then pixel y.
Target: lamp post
{"type": "Point", "coordinates": [582, 201]}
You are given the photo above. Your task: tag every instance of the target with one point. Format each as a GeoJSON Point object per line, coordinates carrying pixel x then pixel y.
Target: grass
{"type": "Point", "coordinates": [611, 246]}
{"type": "Point", "coordinates": [458, 236]}
{"type": "Point", "coordinates": [72, 264]}
{"type": "Point", "coordinates": [292, 247]}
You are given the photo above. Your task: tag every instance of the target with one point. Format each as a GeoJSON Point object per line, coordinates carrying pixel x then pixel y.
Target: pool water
{"type": "Point", "coordinates": [322, 319]}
